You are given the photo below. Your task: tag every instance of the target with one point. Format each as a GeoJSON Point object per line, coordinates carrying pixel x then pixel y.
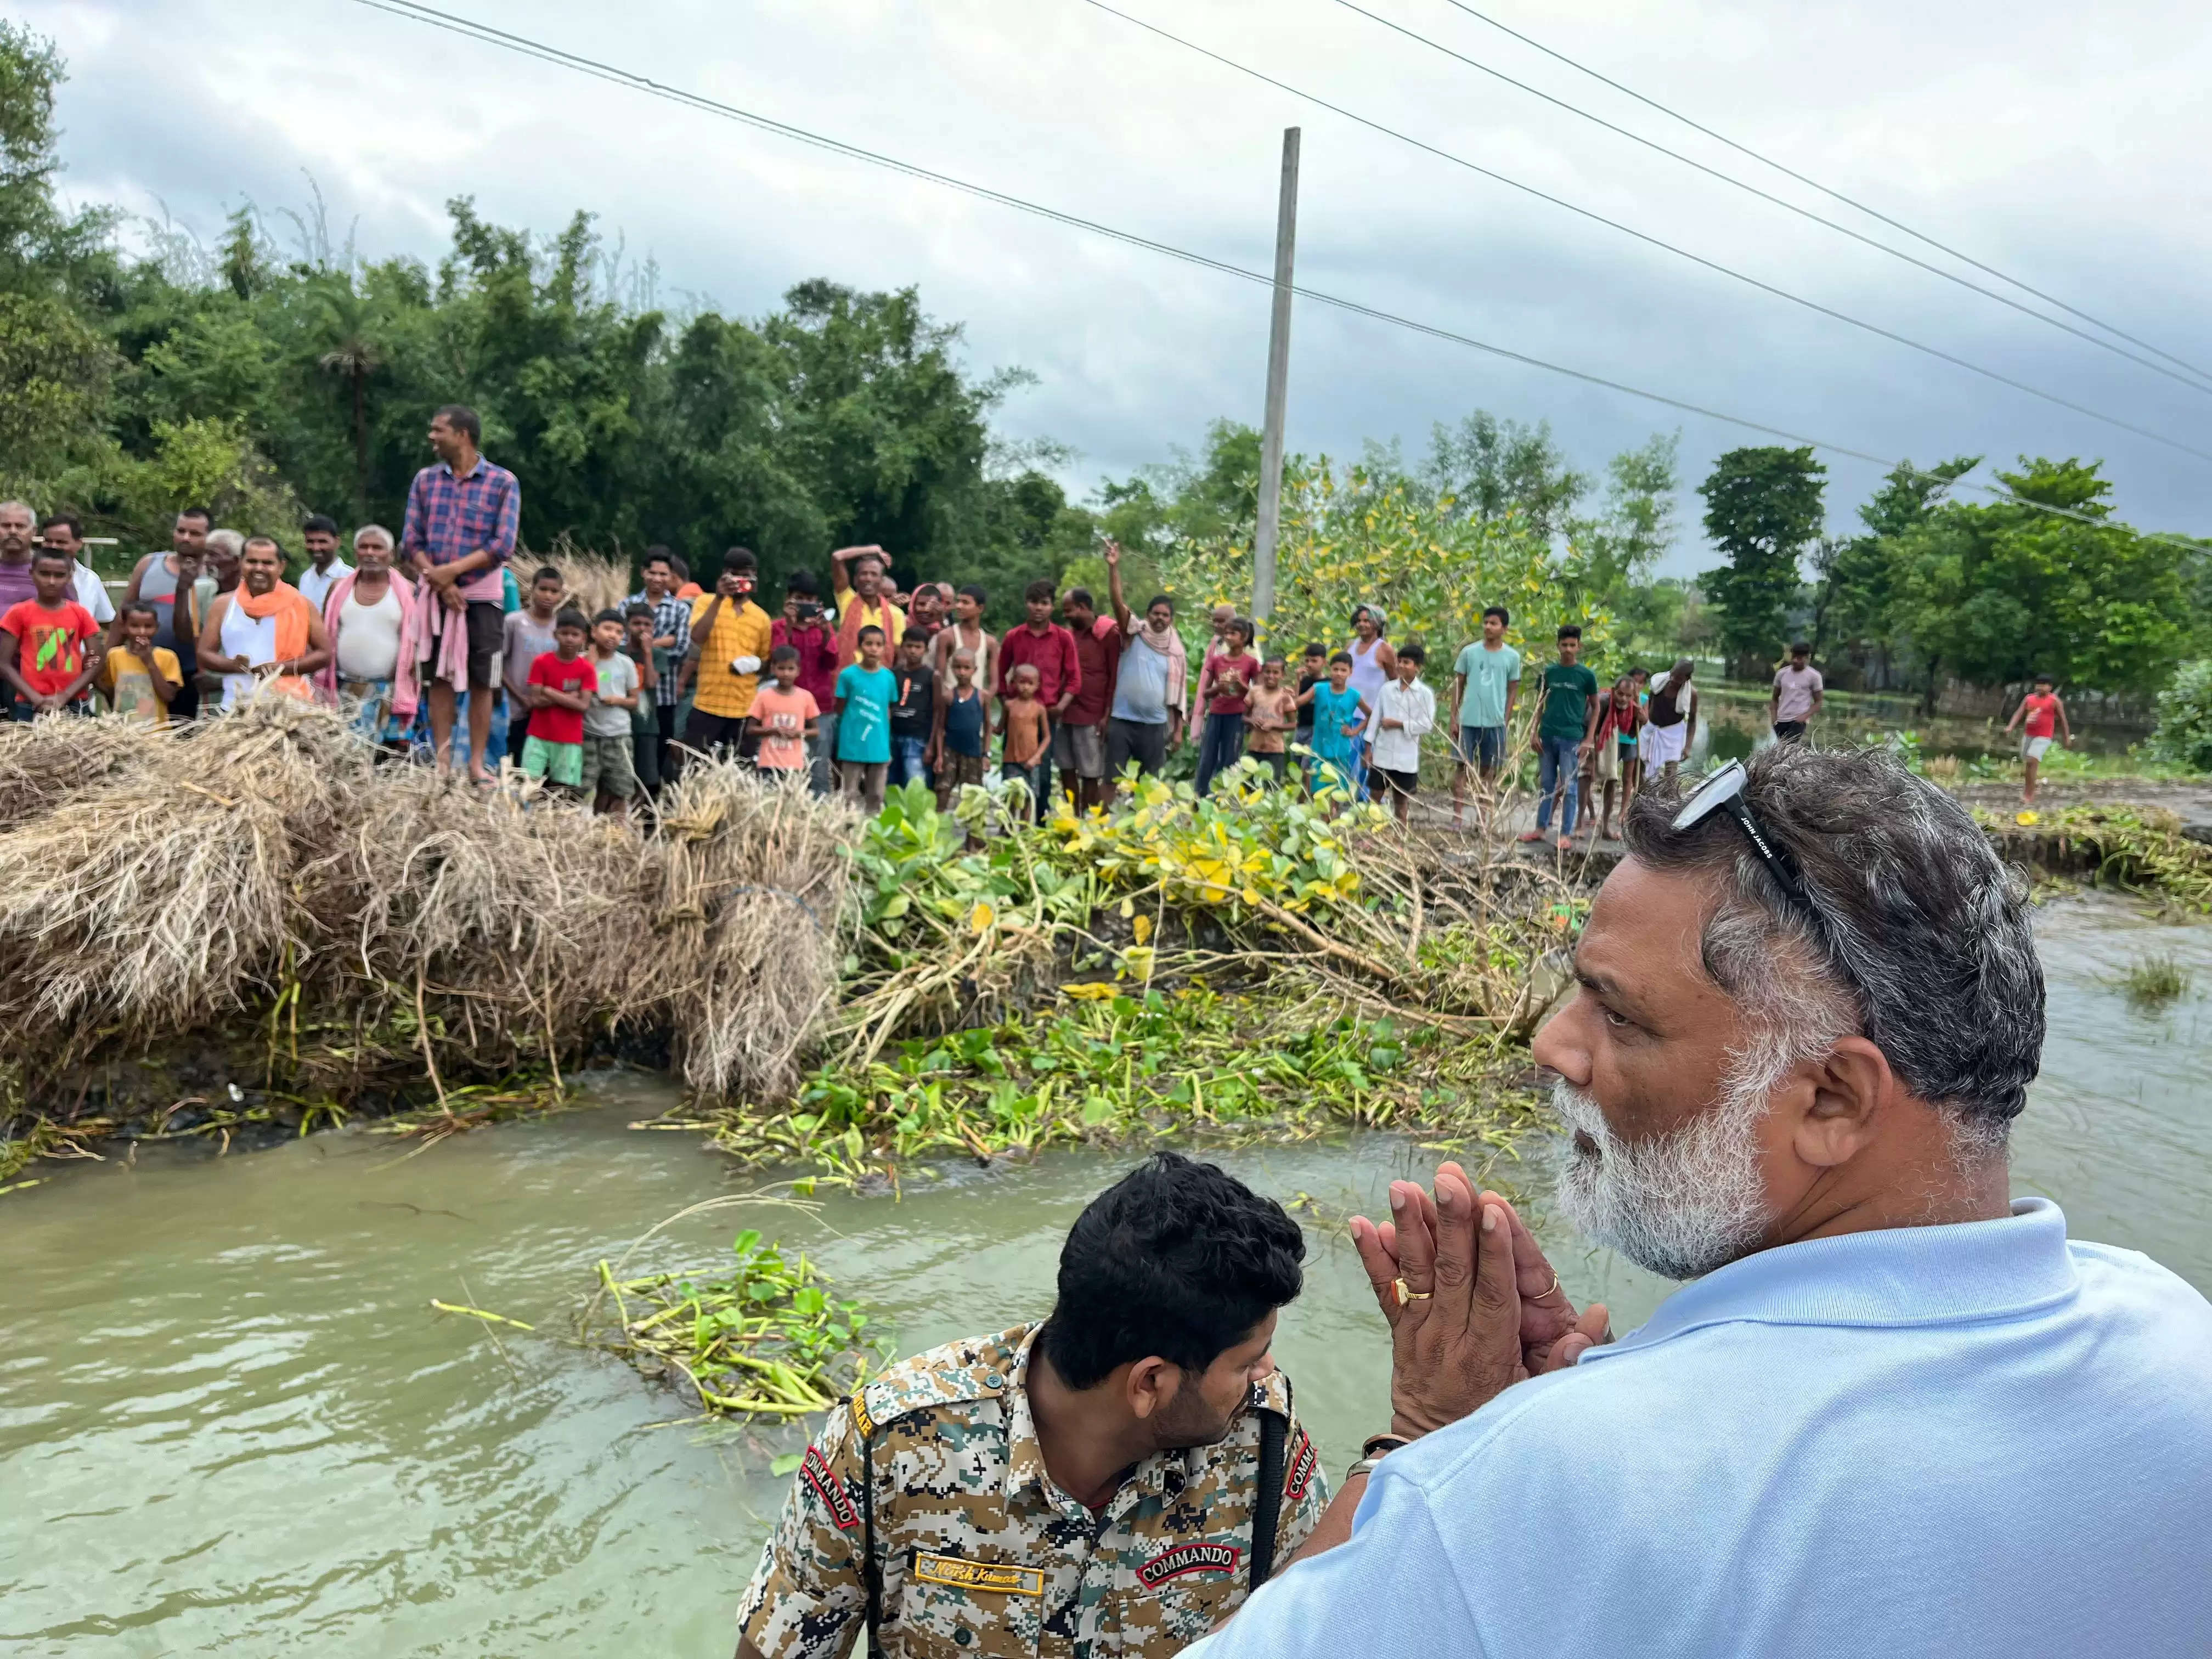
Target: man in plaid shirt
{"type": "Point", "coordinates": [462, 516]}
{"type": "Point", "coordinates": [671, 639]}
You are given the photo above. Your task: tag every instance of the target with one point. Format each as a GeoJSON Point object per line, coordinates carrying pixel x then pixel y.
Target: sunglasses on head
{"type": "Point", "coordinates": [1723, 793]}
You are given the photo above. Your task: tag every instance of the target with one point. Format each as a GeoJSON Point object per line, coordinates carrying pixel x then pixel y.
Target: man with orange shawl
{"type": "Point", "coordinates": [262, 629]}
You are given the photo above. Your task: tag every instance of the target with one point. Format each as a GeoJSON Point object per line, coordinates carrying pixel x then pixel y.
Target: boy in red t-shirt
{"type": "Point", "coordinates": [786, 716]}
{"type": "Point", "coordinates": [2045, 714]}
{"type": "Point", "coordinates": [43, 659]}
{"type": "Point", "coordinates": [560, 684]}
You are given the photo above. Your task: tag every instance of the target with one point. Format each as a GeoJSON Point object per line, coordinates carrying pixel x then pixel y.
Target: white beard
{"type": "Point", "coordinates": [1680, 1203]}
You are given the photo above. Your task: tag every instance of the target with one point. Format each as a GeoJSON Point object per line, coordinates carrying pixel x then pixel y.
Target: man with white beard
{"type": "Point", "coordinates": [1896, 1412]}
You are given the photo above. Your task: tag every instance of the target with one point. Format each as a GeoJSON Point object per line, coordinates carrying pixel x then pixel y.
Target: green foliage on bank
{"type": "Point", "coordinates": [2184, 736]}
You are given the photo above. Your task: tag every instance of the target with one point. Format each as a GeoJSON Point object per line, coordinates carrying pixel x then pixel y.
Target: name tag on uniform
{"type": "Point", "coordinates": [978, 1575]}
{"type": "Point", "coordinates": [1188, 1557]}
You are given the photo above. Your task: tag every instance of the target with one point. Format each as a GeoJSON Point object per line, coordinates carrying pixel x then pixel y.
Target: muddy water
{"type": "Point", "coordinates": [229, 1418]}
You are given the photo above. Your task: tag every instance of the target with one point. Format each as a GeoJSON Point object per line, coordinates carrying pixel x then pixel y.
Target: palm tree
{"type": "Point", "coordinates": [353, 356]}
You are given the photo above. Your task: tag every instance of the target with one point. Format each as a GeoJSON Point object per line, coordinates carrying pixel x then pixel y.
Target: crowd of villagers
{"type": "Point", "coordinates": [438, 645]}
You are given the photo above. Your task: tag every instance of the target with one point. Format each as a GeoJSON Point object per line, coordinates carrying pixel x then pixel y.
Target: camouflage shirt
{"type": "Point", "coordinates": [982, 1555]}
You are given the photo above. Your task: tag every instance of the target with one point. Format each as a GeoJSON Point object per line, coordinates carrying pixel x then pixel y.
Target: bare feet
{"type": "Point", "coordinates": [1530, 835]}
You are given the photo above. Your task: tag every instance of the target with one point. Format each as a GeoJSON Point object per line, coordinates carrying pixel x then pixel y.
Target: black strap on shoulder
{"type": "Point", "coordinates": [871, 1572]}
{"type": "Point", "coordinates": [1267, 1507]}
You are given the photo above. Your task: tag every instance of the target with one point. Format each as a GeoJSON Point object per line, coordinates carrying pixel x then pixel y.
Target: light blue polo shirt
{"type": "Point", "coordinates": [1979, 1441]}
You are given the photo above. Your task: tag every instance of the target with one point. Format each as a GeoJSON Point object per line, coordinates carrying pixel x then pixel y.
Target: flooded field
{"type": "Point", "coordinates": [230, 1421]}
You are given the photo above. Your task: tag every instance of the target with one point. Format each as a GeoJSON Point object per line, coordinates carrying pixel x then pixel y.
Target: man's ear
{"type": "Point", "coordinates": [1851, 1087]}
{"type": "Point", "coordinates": [1150, 1386]}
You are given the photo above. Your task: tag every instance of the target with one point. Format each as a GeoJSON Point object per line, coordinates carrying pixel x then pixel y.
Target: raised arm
{"type": "Point", "coordinates": [841, 579]}
{"type": "Point", "coordinates": [1122, 618]}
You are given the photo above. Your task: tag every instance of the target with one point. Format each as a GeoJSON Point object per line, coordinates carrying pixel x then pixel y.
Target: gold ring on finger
{"type": "Point", "coordinates": [1548, 1289]}
{"type": "Point", "coordinates": [1405, 1295]}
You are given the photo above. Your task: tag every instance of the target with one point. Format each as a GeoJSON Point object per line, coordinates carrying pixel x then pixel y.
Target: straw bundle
{"type": "Point", "coordinates": [44, 762]}
{"type": "Point", "coordinates": [593, 581]}
{"type": "Point", "coordinates": [754, 889]}
{"type": "Point", "coordinates": [144, 909]}
{"type": "Point", "coordinates": [264, 855]}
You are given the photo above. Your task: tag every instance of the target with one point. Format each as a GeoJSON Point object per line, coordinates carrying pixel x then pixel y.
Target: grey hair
{"type": "Point", "coordinates": [373, 532]}
{"type": "Point", "coordinates": [231, 541]}
{"type": "Point", "coordinates": [1922, 942]}
{"type": "Point", "coordinates": [26, 506]}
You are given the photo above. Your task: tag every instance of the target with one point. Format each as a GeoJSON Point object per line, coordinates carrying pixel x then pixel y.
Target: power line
{"type": "Point", "coordinates": [1666, 246]}
{"type": "Point", "coordinates": [488, 35]}
{"type": "Point", "coordinates": [1825, 190]}
{"type": "Point", "coordinates": [2005, 300]}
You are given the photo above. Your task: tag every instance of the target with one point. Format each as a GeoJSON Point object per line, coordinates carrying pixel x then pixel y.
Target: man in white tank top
{"type": "Point", "coordinates": [1374, 663]}
{"type": "Point", "coordinates": [262, 629]}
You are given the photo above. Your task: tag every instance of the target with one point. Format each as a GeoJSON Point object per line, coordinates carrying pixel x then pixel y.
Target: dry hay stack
{"type": "Point", "coordinates": [513, 925]}
{"type": "Point", "coordinates": [144, 905]}
{"type": "Point", "coordinates": [594, 582]}
{"type": "Point", "coordinates": [178, 882]}
{"type": "Point", "coordinates": [44, 762]}
{"type": "Point", "coordinates": [755, 893]}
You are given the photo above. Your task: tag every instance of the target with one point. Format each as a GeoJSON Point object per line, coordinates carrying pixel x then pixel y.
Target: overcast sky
{"type": "Point", "coordinates": [2064, 147]}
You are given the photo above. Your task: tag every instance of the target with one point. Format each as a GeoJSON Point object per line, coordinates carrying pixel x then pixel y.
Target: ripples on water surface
{"type": "Point", "coordinates": [228, 1420]}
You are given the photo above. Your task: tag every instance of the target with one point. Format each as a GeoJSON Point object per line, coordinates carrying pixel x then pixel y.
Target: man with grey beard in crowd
{"type": "Point", "coordinates": [1897, 1411]}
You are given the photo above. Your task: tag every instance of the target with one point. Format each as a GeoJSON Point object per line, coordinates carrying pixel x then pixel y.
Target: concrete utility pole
{"type": "Point", "coordinates": [1278, 376]}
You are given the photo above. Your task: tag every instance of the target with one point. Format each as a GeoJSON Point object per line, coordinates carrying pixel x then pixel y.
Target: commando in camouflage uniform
{"type": "Point", "coordinates": [982, 1555]}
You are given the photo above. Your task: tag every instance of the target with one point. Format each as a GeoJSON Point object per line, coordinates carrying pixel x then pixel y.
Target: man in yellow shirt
{"type": "Point", "coordinates": [729, 644]}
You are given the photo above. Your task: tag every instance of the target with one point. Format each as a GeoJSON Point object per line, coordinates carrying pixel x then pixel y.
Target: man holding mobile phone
{"type": "Point", "coordinates": [731, 638]}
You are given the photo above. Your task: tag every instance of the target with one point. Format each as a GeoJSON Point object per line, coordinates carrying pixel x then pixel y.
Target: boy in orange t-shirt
{"type": "Point", "coordinates": [785, 715]}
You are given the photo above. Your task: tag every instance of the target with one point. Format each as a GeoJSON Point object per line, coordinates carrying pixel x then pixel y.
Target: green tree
{"type": "Point", "coordinates": [1762, 506]}
{"type": "Point", "coordinates": [1387, 542]}
{"type": "Point", "coordinates": [1859, 582]}
{"type": "Point", "coordinates": [2095, 604]}
{"type": "Point", "coordinates": [1486, 468]}
{"type": "Point", "coordinates": [1620, 543]}
{"type": "Point", "coordinates": [353, 356]}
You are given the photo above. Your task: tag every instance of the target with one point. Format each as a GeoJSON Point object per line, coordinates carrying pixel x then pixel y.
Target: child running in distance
{"type": "Point", "coordinates": [2044, 713]}
{"type": "Point", "coordinates": [865, 690]}
{"type": "Point", "coordinates": [785, 715]}
{"type": "Point", "coordinates": [1027, 729]}
{"type": "Point", "coordinates": [1406, 711]}
{"type": "Point", "coordinates": [1340, 715]}
{"type": "Point", "coordinates": [957, 741]}
{"type": "Point", "coordinates": [1270, 718]}
{"type": "Point", "coordinates": [560, 683]}
{"type": "Point", "coordinates": [142, 677]}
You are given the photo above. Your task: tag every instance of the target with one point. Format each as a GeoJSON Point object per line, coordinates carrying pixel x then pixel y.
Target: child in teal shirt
{"type": "Point", "coordinates": [866, 691]}
{"type": "Point", "coordinates": [1340, 715]}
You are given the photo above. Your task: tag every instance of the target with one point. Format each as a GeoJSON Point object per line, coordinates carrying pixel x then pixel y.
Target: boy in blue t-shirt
{"type": "Point", "coordinates": [866, 690]}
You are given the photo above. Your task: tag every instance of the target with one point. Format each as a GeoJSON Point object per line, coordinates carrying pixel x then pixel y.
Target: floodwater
{"type": "Point", "coordinates": [1734, 723]}
{"type": "Point", "coordinates": [230, 1420]}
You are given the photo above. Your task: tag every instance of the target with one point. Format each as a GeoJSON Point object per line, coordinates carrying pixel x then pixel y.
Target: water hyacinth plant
{"type": "Point", "coordinates": [765, 1337]}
